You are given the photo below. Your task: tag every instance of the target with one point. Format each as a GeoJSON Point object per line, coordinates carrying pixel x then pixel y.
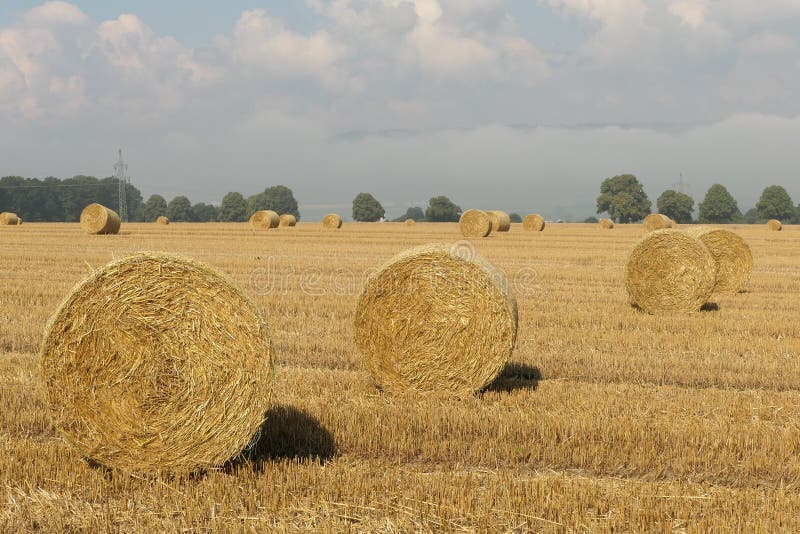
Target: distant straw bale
{"type": "Point", "coordinates": [97, 219]}
{"type": "Point", "coordinates": [287, 219]}
{"type": "Point", "coordinates": [265, 219]}
{"type": "Point", "coordinates": [162, 220]}
{"type": "Point", "coordinates": [657, 221]}
{"type": "Point", "coordinates": [332, 221]}
{"type": "Point", "coordinates": [732, 255]}
{"type": "Point", "coordinates": [410, 222]}
{"type": "Point", "coordinates": [435, 319]}
{"type": "Point", "coordinates": [157, 363]}
{"type": "Point", "coordinates": [533, 223]}
{"type": "Point", "coordinates": [774, 225]}
{"type": "Point", "coordinates": [9, 219]}
{"type": "Point", "coordinates": [606, 224]}
{"type": "Point", "coordinates": [670, 271]}
{"type": "Point", "coordinates": [501, 221]}
{"type": "Point", "coordinates": [475, 223]}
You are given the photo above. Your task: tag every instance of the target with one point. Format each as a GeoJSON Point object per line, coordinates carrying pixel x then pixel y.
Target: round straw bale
{"type": "Point", "coordinates": [774, 225]}
{"type": "Point", "coordinates": [670, 271]}
{"type": "Point", "coordinates": [332, 221]}
{"type": "Point", "coordinates": [157, 363]}
{"type": "Point", "coordinates": [98, 219]}
{"type": "Point", "coordinates": [162, 220]}
{"type": "Point", "coordinates": [287, 219]}
{"type": "Point", "coordinates": [732, 255]}
{"type": "Point", "coordinates": [265, 219]}
{"type": "Point", "coordinates": [434, 319]}
{"type": "Point", "coordinates": [501, 222]}
{"type": "Point", "coordinates": [606, 224]}
{"type": "Point", "coordinates": [9, 219]}
{"type": "Point", "coordinates": [533, 223]}
{"type": "Point", "coordinates": [410, 222]}
{"type": "Point", "coordinates": [657, 221]}
{"type": "Point", "coordinates": [475, 223]}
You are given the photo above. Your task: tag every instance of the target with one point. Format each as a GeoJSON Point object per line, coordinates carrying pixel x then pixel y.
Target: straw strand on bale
{"type": "Point", "coordinates": [606, 224]}
{"type": "Point", "coordinates": [475, 223]}
{"type": "Point", "coordinates": [533, 223]}
{"type": "Point", "coordinates": [157, 363]}
{"type": "Point", "coordinates": [9, 219]}
{"type": "Point", "coordinates": [332, 221]}
{"type": "Point", "coordinates": [657, 221]}
{"type": "Point", "coordinates": [670, 271]}
{"type": "Point", "coordinates": [162, 220]}
{"type": "Point", "coordinates": [435, 319]}
{"type": "Point", "coordinates": [265, 219]}
{"type": "Point", "coordinates": [501, 221]}
{"type": "Point", "coordinates": [732, 255]}
{"type": "Point", "coordinates": [774, 225]}
{"type": "Point", "coordinates": [287, 220]}
{"type": "Point", "coordinates": [97, 219]}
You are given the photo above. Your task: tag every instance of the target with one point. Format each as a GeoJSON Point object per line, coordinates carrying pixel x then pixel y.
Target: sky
{"type": "Point", "coordinates": [520, 105]}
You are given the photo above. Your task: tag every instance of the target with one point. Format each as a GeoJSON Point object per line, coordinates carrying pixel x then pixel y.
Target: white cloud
{"type": "Point", "coordinates": [768, 43]}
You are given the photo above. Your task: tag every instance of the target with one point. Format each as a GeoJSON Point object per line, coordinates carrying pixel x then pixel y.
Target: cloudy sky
{"type": "Point", "coordinates": [522, 105]}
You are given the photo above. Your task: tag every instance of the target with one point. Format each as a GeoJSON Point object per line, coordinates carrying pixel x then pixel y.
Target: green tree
{"type": "Point", "coordinates": [442, 209]}
{"type": "Point", "coordinates": [233, 208]}
{"type": "Point", "coordinates": [366, 208]}
{"type": "Point", "coordinates": [154, 208]}
{"type": "Point", "coordinates": [719, 207]}
{"type": "Point", "coordinates": [624, 199]}
{"type": "Point", "coordinates": [415, 213]}
{"type": "Point", "coordinates": [179, 209]}
{"type": "Point", "coordinates": [515, 217]}
{"type": "Point", "coordinates": [278, 198]}
{"type": "Point", "coordinates": [775, 203]}
{"type": "Point", "coordinates": [591, 220]}
{"type": "Point", "coordinates": [751, 217]}
{"type": "Point", "coordinates": [202, 212]}
{"type": "Point", "coordinates": [675, 205]}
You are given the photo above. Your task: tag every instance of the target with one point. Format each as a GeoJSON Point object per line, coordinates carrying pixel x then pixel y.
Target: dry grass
{"type": "Point", "coordinates": [475, 224]}
{"type": "Point", "coordinates": [607, 418]}
{"type": "Point", "coordinates": [157, 363]}
{"type": "Point", "coordinates": [431, 320]}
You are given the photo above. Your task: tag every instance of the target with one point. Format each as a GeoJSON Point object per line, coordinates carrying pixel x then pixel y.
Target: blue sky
{"type": "Point", "coordinates": [523, 105]}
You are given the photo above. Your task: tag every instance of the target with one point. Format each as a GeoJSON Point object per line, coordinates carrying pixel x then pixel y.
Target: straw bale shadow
{"type": "Point", "coordinates": [709, 307]}
{"type": "Point", "coordinates": [516, 376]}
{"type": "Point", "coordinates": [288, 434]}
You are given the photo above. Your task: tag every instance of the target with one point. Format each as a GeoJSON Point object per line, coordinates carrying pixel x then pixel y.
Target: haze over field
{"type": "Point", "coordinates": [520, 104]}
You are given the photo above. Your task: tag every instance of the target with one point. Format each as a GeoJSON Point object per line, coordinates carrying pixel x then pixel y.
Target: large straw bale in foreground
{"type": "Point", "coordinates": [774, 225]}
{"type": "Point", "coordinates": [606, 224]}
{"type": "Point", "coordinates": [157, 363]}
{"type": "Point", "coordinates": [97, 219]}
{"type": "Point", "coordinates": [501, 221]}
{"type": "Point", "coordinates": [433, 319]}
{"type": "Point", "coordinates": [9, 219]}
{"type": "Point", "coordinates": [533, 223]}
{"type": "Point", "coordinates": [670, 271]}
{"type": "Point", "coordinates": [475, 223]}
{"type": "Point", "coordinates": [332, 221]}
{"type": "Point", "coordinates": [287, 220]}
{"type": "Point", "coordinates": [732, 255]}
{"type": "Point", "coordinates": [162, 220]}
{"type": "Point", "coordinates": [265, 219]}
{"type": "Point", "coordinates": [657, 221]}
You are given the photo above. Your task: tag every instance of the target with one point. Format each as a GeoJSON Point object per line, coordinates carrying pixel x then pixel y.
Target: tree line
{"type": "Point", "coordinates": [625, 201]}
{"type": "Point", "coordinates": [55, 200]}
{"type": "Point", "coordinates": [366, 208]}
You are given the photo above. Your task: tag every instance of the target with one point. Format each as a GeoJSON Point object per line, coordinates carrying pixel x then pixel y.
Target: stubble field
{"type": "Point", "coordinates": [607, 418]}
